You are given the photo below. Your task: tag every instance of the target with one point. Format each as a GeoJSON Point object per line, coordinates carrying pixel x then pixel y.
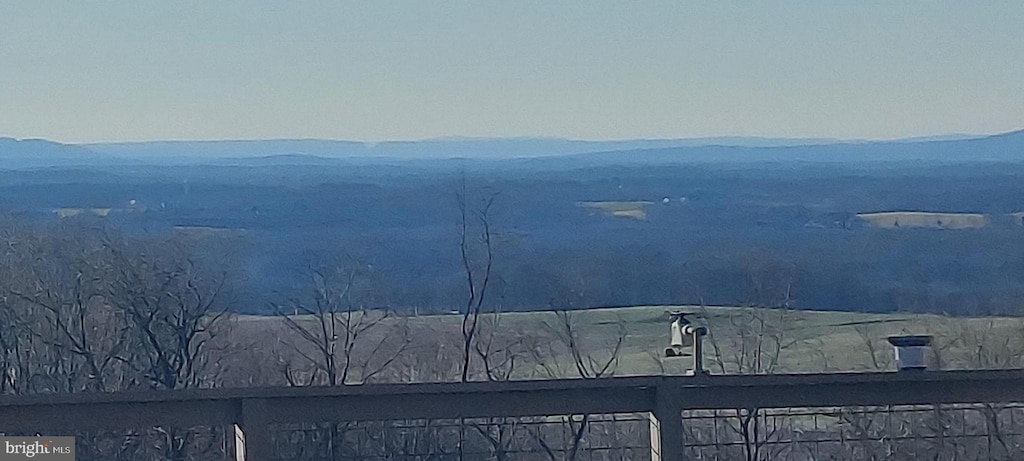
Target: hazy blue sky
{"type": "Point", "coordinates": [140, 69]}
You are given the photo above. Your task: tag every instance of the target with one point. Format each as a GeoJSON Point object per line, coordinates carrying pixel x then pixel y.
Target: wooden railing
{"type": "Point", "coordinates": [252, 411]}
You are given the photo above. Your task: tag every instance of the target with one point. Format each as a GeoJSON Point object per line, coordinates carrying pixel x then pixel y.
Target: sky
{"type": "Point", "coordinates": [78, 71]}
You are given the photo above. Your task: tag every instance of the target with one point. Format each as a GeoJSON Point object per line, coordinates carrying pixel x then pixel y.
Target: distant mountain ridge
{"type": "Point", "coordinates": [541, 152]}
{"type": "Point", "coordinates": [995, 148]}
{"type": "Point", "coordinates": [454, 147]}
{"type": "Point", "coordinates": [41, 153]}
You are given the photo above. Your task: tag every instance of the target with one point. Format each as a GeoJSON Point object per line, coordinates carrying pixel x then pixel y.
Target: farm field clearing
{"type": "Point", "coordinates": [786, 341]}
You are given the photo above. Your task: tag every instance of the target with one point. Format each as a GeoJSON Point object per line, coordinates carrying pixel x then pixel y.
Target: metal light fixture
{"type": "Point", "coordinates": [684, 335]}
{"type": "Point", "coordinates": [679, 341]}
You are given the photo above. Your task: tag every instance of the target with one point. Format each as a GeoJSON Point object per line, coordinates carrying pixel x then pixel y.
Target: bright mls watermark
{"type": "Point", "coordinates": [37, 448]}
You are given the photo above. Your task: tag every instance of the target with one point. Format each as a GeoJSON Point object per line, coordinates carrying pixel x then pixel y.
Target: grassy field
{"type": "Point", "coordinates": [742, 340]}
{"type": "Point", "coordinates": [71, 212]}
{"type": "Point", "coordinates": [635, 209]}
{"type": "Point", "coordinates": [898, 219]}
{"type": "Point", "coordinates": [209, 231]}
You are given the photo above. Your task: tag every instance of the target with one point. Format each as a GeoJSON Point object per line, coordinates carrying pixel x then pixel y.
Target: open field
{"type": "Point", "coordinates": [807, 341]}
{"type": "Point", "coordinates": [71, 212]}
{"type": "Point", "coordinates": [898, 219]}
{"type": "Point", "coordinates": [633, 209]}
{"type": "Point", "coordinates": [198, 231]}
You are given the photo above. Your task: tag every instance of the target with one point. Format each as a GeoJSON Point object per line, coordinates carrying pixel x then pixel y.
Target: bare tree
{"type": "Point", "coordinates": [879, 359]}
{"type": "Point", "coordinates": [501, 355]}
{"type": "Point", "coordinates": [344, 341]}
{"type": "Point", "coordinates": [996, 345]}
{"type": "Point", "coordinates": [91, 310]}
{"type": "Point", "coordinates": [757, 345]}
{"type": "Point", "coordinates": [18, 360]}
{"type": "Point", "coordinates": [76, 321]}
{"type": "Point", "coordinates": [501, 350]}
{"type": "Point", "coordinates": [476, 254]}
{"type": "Point", "coordinates": [58, 299]}
{"type": "Point", "coordinates": [174, 308]}
{"type": "Point", "coordinates": [587, 365]}
{"type": "Point", "coordinates": [173, 304]}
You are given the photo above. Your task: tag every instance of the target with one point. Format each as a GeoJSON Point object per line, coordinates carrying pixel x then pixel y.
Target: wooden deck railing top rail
{"type": "Point", "coordinates": [254, 410]}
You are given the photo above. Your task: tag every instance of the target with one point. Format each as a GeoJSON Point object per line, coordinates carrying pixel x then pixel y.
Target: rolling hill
{"type": "Point", "coordinates": [810, 341]}
{"type": "Point", "coordinates": [526, 153]}
{"type": "Point", "coordinates": [30, 153]}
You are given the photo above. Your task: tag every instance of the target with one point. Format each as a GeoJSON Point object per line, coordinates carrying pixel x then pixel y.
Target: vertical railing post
{"type": "Point", "coordinates": [667, 422]}
{"type": "Point", "coordinates": [252, 434]}
{"type": "Point", "coordinates": [236, 442]}
{"type": "Point", "coordinates": [655, 432]}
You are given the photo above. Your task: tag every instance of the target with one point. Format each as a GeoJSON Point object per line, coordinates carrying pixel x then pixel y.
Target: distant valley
{"type": "Point", "coordinates": [904, 226]}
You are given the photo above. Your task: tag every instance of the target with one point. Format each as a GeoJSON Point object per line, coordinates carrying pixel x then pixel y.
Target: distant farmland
{"type": "Point", "coordinates": [634, 209]}
{"type": "Point", "coordinates": [904, 219]}
{"type": "Point", "coordinates": [71, 212]}
{"type": "Point", "coordinates": [199, 231]}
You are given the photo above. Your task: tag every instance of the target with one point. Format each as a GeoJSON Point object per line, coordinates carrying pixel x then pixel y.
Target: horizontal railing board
{"type": "Point", "coordinates": [471, 405]}
{"type": "Point", "coordinates": [69, 418]}
{"type": "Point", "coordinates": [327, 391]}
{"type": "Point", "coordinates": [211, 407]}
{"type": "Point", "coordinates": [854, 389]}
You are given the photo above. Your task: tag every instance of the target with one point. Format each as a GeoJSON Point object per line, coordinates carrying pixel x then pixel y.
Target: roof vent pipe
{"type": "Point", "coordinates": [910, 351]}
